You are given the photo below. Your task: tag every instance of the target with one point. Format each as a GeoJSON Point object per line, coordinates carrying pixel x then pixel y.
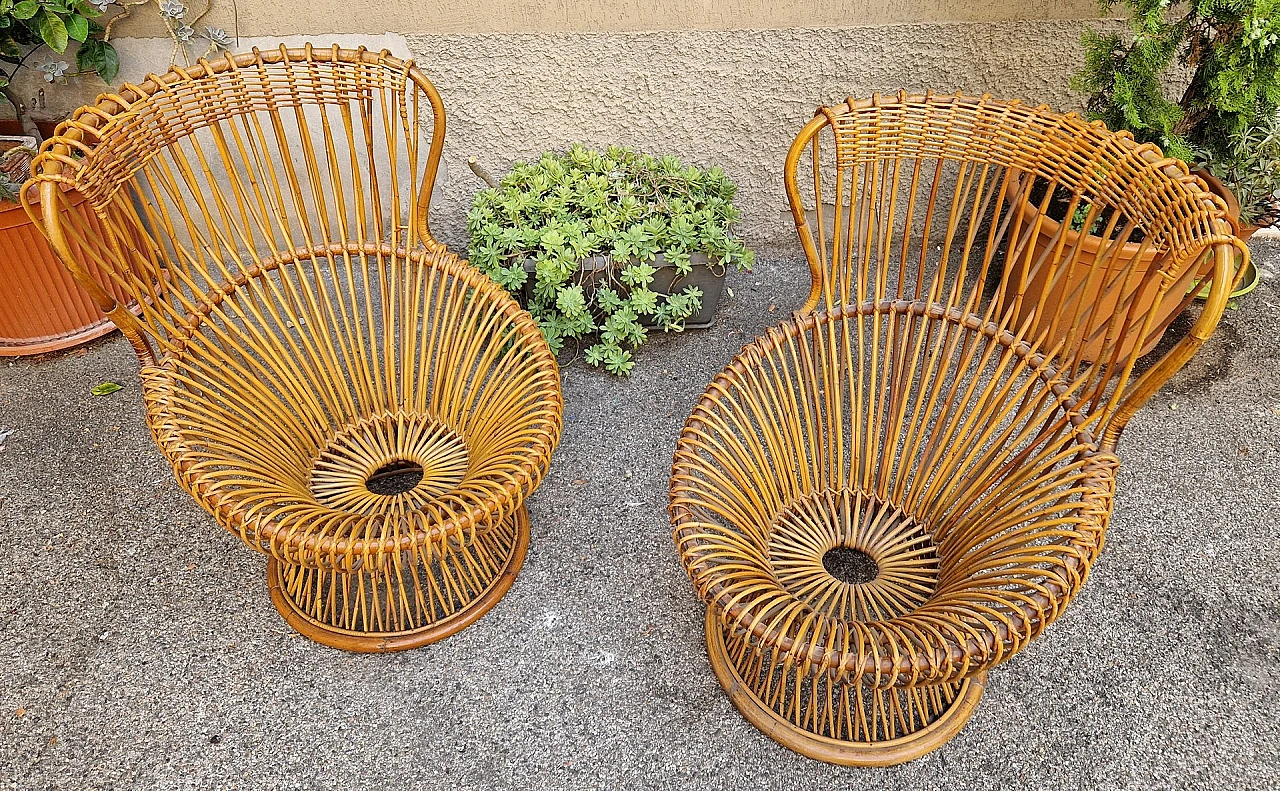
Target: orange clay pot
{"type": "Point", "coordinates": [42, 309]}
{"type": "Point", "coordinates": [1248, 280]}
{"type": "Point", "coordinates": [1091, 295]}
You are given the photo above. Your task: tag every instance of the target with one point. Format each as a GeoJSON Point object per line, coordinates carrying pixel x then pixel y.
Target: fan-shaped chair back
{"type": "Point", "coordinates": [946, 203]}
{"type": "Point", "coordinates": [218, 174]}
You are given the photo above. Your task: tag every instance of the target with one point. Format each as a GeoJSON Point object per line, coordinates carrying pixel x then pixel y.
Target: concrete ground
{"type": "Point", "coordinates": [139, 649]}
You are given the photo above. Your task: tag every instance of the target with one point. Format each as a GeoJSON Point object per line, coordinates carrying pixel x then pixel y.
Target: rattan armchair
{"type": "Point", "coordinates": [899, 488]}
{"type": "Point", "coordinates": [328, 381]}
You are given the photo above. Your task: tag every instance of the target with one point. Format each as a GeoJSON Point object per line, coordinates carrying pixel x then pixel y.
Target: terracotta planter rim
{"type": "Point", "coordinates": [1092, 242]}
{"type": "Point", "coordinates": [42, 306]}
{"type": "Point", "coordinates": [1215, 185]}
{"type": "Point", "coordinates": [33, 195]}
{"type": "Point", "coordinates": [33, 198]}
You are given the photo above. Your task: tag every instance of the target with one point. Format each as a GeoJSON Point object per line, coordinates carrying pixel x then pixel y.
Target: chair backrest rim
{"type": "Point", "coordinates": [1172, 168]}
{"type": "Point", "coordinates": [1219, 235]}
{"type": "Point", "coordinates": [73, 141]}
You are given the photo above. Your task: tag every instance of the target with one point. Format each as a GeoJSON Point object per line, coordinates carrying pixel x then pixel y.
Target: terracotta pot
{"type": "Point", "coordinates": [42, 308]}
{"type": "Point", "coordinates": [1233, 206]}
{"type": "Point", "coordinates": [1090, 295]}
{"type": "Point", "coordinates": [12, 126]}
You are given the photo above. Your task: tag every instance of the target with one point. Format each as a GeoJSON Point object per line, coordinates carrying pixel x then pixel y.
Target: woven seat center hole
{"type": "Point", "coordinates": [396, 477]}
{"type": "Point", "coordinates": [850, 565]}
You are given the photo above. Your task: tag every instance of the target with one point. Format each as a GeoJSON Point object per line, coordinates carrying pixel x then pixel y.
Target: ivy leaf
{"type": "Point", "coordinates": [77, 27]}
{"type": "Point", "coordinates": [53, 31]}
{"type": "Point", "coordinates": [25, 9]}
{"type": "Point", "coordinates": [99, 56]}
{"type": "Point", "coordinates": [109, 63]}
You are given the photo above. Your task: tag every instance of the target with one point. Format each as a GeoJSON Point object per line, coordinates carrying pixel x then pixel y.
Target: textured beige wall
{"type": "Point", "coordinates": [730, 97]}
{"type": "Point", "coordinates": [138, 56]}
{"type": "Point", "coordinates": [733, 98]}
{"type": "Point", "coordinates": [275, 18]}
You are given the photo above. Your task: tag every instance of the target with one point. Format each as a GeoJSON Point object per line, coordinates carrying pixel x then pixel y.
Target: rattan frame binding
{"type": "Point", "coordinates": [926, 416]}
{"type": "Point", "coordinates": [327, 380]}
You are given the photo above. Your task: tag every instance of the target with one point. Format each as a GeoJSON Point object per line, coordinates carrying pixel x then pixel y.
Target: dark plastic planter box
{"type": "Point", "coordinates": [708, 277]}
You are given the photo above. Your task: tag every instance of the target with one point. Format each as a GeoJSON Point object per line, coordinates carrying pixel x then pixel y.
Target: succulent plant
{"type": "Point", "coordinates": [627, 206]}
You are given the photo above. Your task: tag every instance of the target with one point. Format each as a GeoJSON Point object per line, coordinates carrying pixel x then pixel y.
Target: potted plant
{"type": "Point", "coordinates": [1077, 285]}
{"type": "Point", "coordinates": [1225, 120]}
{"type": "Point", "coordinates": [607, 245]}
{"type": "Point", "coordinates": [41, 306]}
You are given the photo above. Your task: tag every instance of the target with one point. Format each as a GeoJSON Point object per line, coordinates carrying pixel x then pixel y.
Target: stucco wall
{"type": "Point", "coordinates": [274, 18]}
{"type": "Point", "coordinates": [730, 97]}
{"type": "Point", "coordinates": [733, 98]}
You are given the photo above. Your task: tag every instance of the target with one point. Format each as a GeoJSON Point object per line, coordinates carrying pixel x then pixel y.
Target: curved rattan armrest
{"type": "Point", "coordinates": [1141, 389]}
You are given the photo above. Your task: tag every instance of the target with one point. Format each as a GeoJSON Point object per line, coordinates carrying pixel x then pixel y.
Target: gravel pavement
{"type": "Point", "coordinates": [139, 648]}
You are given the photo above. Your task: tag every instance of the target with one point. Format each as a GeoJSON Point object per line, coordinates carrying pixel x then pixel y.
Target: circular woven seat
{"type": "Point", "coordinates": [410, 498]}
{"type": "Point", "coordinates": [828, 579]}
{"type": "Point", "coordinates": [297, 474]}
{"type": "Point", "coordinates": [899, 488]}
{"type": "Point", "coordinates": [328, 381]}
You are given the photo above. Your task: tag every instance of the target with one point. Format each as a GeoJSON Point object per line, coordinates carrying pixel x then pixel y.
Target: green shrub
{"type": "Point", "coordinates": [1232, 49]}
{"type": "Point", "coordinates": [25, 24]}
{"type": "Point", "coordinates": [620, 204]}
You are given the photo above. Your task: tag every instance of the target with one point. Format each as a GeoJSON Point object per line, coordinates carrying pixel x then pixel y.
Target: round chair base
{"type": "Point", "coordinates": [838, 724]}
{"type": "Point", "coordinates": [418, 601]}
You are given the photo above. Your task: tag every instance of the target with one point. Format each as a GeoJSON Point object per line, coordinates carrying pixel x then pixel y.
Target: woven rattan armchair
{"type": "Point", "coordinates": [899, 488]}
{"type": "Point", "coordinates": [328, 381]}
